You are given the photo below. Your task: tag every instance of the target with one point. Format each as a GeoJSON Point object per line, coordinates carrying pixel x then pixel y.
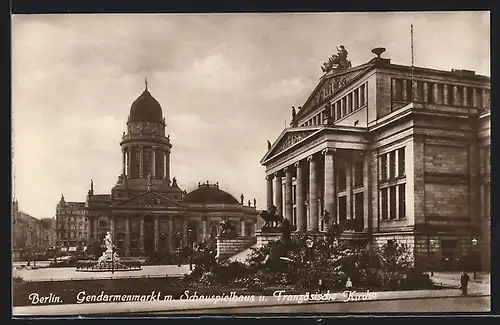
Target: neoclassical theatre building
{"type": "Point", "coordinates": [147, 210]}
{"type": "Point", "coordinates": [390, 152]}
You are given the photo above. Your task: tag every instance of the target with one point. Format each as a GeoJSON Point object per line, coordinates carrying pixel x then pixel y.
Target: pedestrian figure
{"type": "Point", "coordinates": [348, 284]}
{"type": "Point", "coordinates": [464, 281]}
{"type": "Point", "coordinates": [320, 282]}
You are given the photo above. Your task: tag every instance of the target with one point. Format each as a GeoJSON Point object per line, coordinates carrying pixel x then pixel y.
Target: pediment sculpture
{"type": "Point", "coordinates": [337, 61]}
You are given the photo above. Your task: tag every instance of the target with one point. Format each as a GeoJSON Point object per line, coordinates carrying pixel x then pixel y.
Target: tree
{"type": "Point", "coordinates": [95, 248]}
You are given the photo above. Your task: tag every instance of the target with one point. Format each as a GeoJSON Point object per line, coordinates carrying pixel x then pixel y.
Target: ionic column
{"type": "Point", "coordinates": [204, 228]}
{"type": "Point", "coordinates": [242, 233]}
{"type": "Point", "coordinates": [141, 161]}
{"type": "Point", "coordinates": [278, 193]}
{"type": "Point", "coordinates": [288, 194]}
{"type": "Point", "coordinates": [156, 234]}
{"type": "Point", "coordinates": [124, 163]}
{"type": "Point", "coordinates": [141, 239]}
{"type": "Point", "coordinates": [349, 200]}
{"type": "Point", "coordinates": [269, 180]}
{"type": "Point", "coordinates": [329, 184]}
{"type": "Point", "coordinates": [127, 236]}
{"type": "Point", "coordinates": [153, 162]}
{"type": "Point", "coordinates": [313, 196]}
{"type": "Point", "coordinates": [301, 213]}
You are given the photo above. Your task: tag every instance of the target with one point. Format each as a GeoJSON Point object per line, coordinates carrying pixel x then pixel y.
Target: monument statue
{"type": "Point", "coordinates": [271, 218]}
{"type": "Point", "coordinates": [286, 230]}
{"type": "Point", "coordinates": [228, 229]}
{"type": "Point", "coordinates": [268, 145]}
{"type": "Point", "coordinates": [337, 61]}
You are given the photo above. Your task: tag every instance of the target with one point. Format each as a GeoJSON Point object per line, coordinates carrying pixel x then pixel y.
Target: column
{"type": "Point", "coordinates": [124, 163]}
{"type": "Point", "coordinates": [153, 162]}
{"type": "Point", "coordinates": [426, 92]}
{"type": "Point", "coordinates": [167, 165]}
{"type": "Point", "coordinates": [348, 171]}
{"type": "Point", "coordinates": [474, 98]}
{"type": "Point", "coordinates": [141, 239]}
{"type": "Point", "coordinates": [455, 96]}
{"type": "Point", "coordinates": [278, 194]}
{"type": "Point", "coordinates": [129, 162]}
{"type": "Point", "coordinates": [242, 225]}
{"type": "Point", "coordinates": [405, 90]}
{"type": "Point", "coordinates": [446, 97]}
{"type": "Point", "coordinates": [156, 234]}
{"type": "Point", "coordinates": [394, 87]}
{"type": "Point", "coordinates": [435, 94]}
{"type": "Point", "coordinates": [185, 234]}
{"type": "Point", "coordinates": [313, 196]}
{"type": "Point", "coordinates": [141, 162]}
{"type": "Point", "coordinates": [204, 228]}
{"type": "Point", "coordinates": [170, 234]}
{"type": "Point", "coordinates": [127, 236]}
{"type": "Point", "coordinates": [288, 194]}
{"type": "Point", "coordinates": [329, 185]}
{"type": "Point", "coordinates": [301, 213]}
{"type": "Point", "coordinates": [269, 179]}
{"type": "Point", "coordinates": [465, 99]}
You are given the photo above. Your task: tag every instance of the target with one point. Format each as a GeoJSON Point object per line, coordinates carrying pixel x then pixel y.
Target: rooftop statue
{"type": "Point", "coordinates": [337, 61]}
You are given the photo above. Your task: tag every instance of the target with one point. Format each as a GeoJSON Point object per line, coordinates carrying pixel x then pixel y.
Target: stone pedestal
{"type": "Point", "coordinates": [265, 236]}
{"type": "Point", "coordinates": [227, 246]}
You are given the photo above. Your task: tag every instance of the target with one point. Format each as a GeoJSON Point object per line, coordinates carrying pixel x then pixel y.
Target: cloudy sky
{"type": "Point", "coordinates": [226, 83]}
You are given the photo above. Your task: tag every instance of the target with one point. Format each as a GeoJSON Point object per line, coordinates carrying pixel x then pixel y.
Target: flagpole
{"type": "Point", "coordinates": [413, 86]}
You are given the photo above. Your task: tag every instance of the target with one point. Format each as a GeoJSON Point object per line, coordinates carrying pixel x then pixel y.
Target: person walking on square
{"type": "Point", "coordinates": [464, 281]}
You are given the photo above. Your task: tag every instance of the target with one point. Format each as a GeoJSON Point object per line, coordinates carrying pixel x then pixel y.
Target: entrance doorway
{"type": "Point", "coordinates": [449, 256]}
{"type": "Point", "coordinates": [149, 234]}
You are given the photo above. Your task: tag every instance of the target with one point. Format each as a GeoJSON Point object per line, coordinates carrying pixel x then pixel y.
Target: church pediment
{"type": "Point", "coordinates": [329, 85]}
{"type": "Point", "coordinates": [148, 199]}
{"type": "Point", "coordinates": [289, 138]}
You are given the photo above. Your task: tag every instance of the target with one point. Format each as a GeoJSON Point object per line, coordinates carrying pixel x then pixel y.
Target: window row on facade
{"type": "Point", "coordinates": [341, 108]}
{"type": "Point", "coordinates": [439, 93]}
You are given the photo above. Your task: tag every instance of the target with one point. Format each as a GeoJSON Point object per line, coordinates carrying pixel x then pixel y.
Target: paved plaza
{"type": "Point", "coordinates": [70, 273]}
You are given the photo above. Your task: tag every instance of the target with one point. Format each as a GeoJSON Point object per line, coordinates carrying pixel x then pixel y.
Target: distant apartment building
{"type": "Point", "coordinates": [71, 224]}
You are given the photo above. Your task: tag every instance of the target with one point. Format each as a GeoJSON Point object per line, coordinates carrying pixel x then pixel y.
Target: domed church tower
{"type": "Point", "coordinates": [146, 150]}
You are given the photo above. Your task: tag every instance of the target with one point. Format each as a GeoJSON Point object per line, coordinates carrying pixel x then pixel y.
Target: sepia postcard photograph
{"type": "Point", "coordinates": [237, 164]}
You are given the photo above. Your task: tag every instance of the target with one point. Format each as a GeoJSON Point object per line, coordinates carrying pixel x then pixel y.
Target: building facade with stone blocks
{"type": "Point", "coordinates": [71, 224]}
{"type": "Point", "coordinates": [30, 233]}
{"type": "Point", "coordinates": [390, 152]}
{"type": "Point", "coordinates": [147, 210]}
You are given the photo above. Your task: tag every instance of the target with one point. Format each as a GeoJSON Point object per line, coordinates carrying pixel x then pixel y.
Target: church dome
{"type": "Point", "coordinates": [146, 108]}
{"type": "Point", "coordinates": [209, 194]}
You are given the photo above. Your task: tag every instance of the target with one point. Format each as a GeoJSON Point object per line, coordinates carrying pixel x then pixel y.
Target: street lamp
{"type": "Point", "coordinates": [432, 243]}
{"type": "Point", "coordinates": [177, 236]}
{"type": "Point", "coordinates": [310, 245]}
{"type": "Point", "coordinates": [474, 243]}
{"type": "Point", "coordinates": [190, 244]}
{"type": "Point", "coordinates": [112, 258]}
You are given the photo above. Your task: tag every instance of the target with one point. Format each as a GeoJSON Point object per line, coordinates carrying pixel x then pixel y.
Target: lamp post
{"type": "Point", "coordinates": [190, 244]}
{"type": "Point", "coordinates": [432, 243]}
{"type": "Point", "coordinates": [177, 236]}
{"type": "Point", "coordinates": [112, 258]}
{"type": "Point", "coordinates": [310, 245]}
{"type": "Point", "coordinates": [474, 243]}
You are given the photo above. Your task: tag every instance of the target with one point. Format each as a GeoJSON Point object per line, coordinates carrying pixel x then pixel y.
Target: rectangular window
{"type": "Point", "coordinates": [402, 201]}
{"type": "Point", "coordinates": [419, 91]}
{"type": "Point", "coordinates": [392, 199]}
{"type": "Point", "coordinates": [358, 173]}
{"type": "Point", "coordinates": [479, 97]}
{"type": "Point", "coordinates": [460, 97]}
{"type": "Point", "coordinates": [398, 91]}
{"type": "Point", "coordinates": [344, 108]}
{"type": "Point", "coordinates": [409, 91]}
{"type": "Point", "coordinates": [339, 112]}
{"type": "Point", "coordinates": [383, 203]}
{"type": "Point", "coordinates": [362, 95]}
{"type": "Point", "coordinates": [383, 167]}
{"type": "Point", "coordinates": [401, 162]}
{"type": "Point", "coordinates": [392, 164]}
{"type": "Point", "coordinates": [356, 99]}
